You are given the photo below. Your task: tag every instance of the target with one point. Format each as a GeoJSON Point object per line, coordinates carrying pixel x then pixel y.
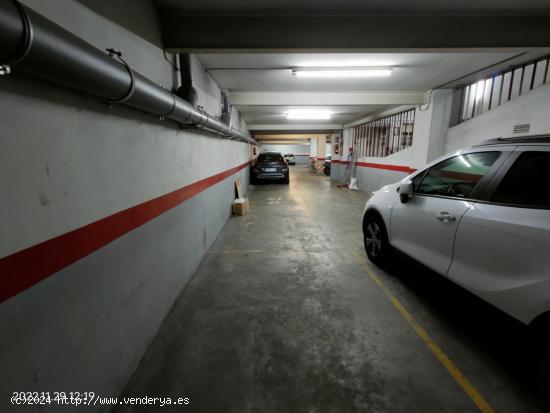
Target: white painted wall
{"type": "Point", "coordinates": [74, 165]}
{"type": "Point", "coordinates": [67, 160]}
{"type": "Point", "coordinates": [430, 128]}
{"type": "Point", "coordinates": [294, 149]}
{"type": "Point", "coordinates": [85, 161]}
{"type": "Point", "coordinates": [300, 152]}
{"type": "Point", "coordinates": [533, 108]}
{"type": "Point", "coordinates": [433, 137]}
{"type": "Point", "coordinates": [442, 106]}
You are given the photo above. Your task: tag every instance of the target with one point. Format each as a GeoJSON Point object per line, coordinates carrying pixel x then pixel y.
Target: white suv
{"type": "Point", "coordinates": [480, 217]}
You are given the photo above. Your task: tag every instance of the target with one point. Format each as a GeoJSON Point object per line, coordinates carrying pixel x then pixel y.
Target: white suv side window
{"type": "Point", "coordinates": [457, 176]}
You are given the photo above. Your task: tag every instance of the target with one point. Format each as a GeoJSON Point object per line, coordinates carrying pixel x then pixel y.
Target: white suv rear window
{"type": "Point", "coordinates": [526, 183]}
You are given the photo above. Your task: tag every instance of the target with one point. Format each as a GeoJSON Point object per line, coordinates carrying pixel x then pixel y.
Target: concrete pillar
{"type": "Point", "coordinates": [346, 143]}
{"type": "Point", "coordinates": [321, 140]}
{"type": "Point", "coordinates": [430, 128]}
{"type": "Point", "coordinates": [442, 105]}
{"type": "Point", "coordinates": [313, 151]}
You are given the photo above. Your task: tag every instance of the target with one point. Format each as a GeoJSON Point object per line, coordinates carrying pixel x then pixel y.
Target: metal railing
{"type": "Point", "coordinates": [384, 136]}
{"type": "Point", "coordinates": [488, 93]}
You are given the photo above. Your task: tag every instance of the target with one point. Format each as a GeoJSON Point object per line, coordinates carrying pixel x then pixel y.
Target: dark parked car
{"type": "Point", "coordinates": [327, 164]}
{"type": "Point", "coordinates": [269, 166]}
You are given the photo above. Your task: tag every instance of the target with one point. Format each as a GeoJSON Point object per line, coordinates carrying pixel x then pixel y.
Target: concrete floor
{"type": "Point", "coordinates": [281, 316]}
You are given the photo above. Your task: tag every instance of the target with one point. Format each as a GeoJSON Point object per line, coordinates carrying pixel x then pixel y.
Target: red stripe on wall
{"type": "Point", "coordinates": [388, 167]}
{"type": "Point", "coordinates": [25, 268]}
{"type": "Point", "coordinates": [399, 168]}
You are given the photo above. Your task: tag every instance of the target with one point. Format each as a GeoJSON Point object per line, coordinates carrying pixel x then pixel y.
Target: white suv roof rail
{"type": "Point", "coordinates": [516, 140]}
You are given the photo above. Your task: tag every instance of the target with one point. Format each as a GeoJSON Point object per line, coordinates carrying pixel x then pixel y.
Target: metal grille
{"type": "Point", "coordinates": [523, 128]}
{"type": "Point", "coordinates": [384, 136]}
{"type": "Point", "coordinates": [488, 93]}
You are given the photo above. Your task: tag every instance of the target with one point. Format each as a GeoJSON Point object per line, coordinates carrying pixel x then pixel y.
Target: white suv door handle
{"type": "Point", "coordinates": [445, 217]}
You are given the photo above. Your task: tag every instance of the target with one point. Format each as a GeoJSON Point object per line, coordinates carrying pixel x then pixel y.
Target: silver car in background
{"type": "Point", "coordinates": [290, 159]}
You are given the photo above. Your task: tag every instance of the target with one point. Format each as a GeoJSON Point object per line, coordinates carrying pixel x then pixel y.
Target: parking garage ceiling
{"type": "Point", "coordinates": [261, 72]}
{"type": "Point", "coordinates": [428, 44]}
{"type": "Point", "coordinates": [411, 71]}
{"type": "Point", "coordinates": [263, 88]}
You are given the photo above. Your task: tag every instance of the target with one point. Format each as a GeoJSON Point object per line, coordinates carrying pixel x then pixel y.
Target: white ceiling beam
{"type": "Point", "coordinates": [377, 115]}
{"type": "Point", "coordinates": [295, 127]}
{"type": "Point", "coordinates": [325, 98]}
{"type": "Point", "coordinates": [285, 143]}
{"type": "Point", "coordinates": [281, 137]}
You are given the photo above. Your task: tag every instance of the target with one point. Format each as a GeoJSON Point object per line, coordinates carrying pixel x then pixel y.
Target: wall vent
{"type": "Point", "coordinates": [523, 128]}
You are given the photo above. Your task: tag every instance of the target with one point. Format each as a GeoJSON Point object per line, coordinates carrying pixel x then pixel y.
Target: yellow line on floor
{"type": "Point", "coordinates": [462, 381]}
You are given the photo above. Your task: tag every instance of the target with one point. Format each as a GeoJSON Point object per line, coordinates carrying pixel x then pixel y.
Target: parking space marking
{"type": "Point", "coordinates": [456, 374]}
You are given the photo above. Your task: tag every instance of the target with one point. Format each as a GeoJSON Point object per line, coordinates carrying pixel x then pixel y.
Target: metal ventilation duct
{"type": "Point", "coordinates": [35, 45]}
{"type": "Point", "coordinates": [186, 91]}
{"type": "Point", "coordinates": [225, 117]}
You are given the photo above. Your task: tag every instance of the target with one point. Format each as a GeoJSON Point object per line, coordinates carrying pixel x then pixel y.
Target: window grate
{"type": "Point", "coordinates": [384, 136]}
{"type": "Point", "coordinates": [493, 91]}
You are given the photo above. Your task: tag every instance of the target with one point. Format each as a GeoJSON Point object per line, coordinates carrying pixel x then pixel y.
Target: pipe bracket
{"type": "Point", "coordinates": [116, 53]}
{"type": "Point", "coordinates": [171, 110]}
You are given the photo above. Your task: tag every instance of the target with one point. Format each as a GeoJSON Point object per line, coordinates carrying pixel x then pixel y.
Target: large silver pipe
{"type": "Point", "coordinates": [37, 46]}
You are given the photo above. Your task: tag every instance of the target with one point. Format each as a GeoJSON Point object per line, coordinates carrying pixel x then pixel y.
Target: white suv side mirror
{"type": "Point", "coordinates": [406, 191]}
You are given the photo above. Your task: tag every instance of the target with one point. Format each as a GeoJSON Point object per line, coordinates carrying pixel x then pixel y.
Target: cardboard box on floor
{"type": "Point", "coordinates": [241, 205]}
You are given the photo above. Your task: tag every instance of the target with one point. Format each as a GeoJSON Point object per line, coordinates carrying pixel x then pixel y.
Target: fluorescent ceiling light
{"type": "Point", "coordinates": [338, 72]}
{"type": "Point", "coordinates": [305, 114]}
{"type": "Point", "coordinates": [345, 63]}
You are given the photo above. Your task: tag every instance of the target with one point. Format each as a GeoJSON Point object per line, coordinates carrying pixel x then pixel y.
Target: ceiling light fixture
{"type": "Point", "coordinates": [346, 63]}
{"type": "Point", "coordinates": [308, 114]}
{"type": "Point", "coordinates": [342, 72]}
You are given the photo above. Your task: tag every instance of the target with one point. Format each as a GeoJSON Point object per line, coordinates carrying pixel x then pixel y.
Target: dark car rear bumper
{"type": "Point", "coordinates": [269, 171]}
{"type": "Point", "coordinates": [271, 175]}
